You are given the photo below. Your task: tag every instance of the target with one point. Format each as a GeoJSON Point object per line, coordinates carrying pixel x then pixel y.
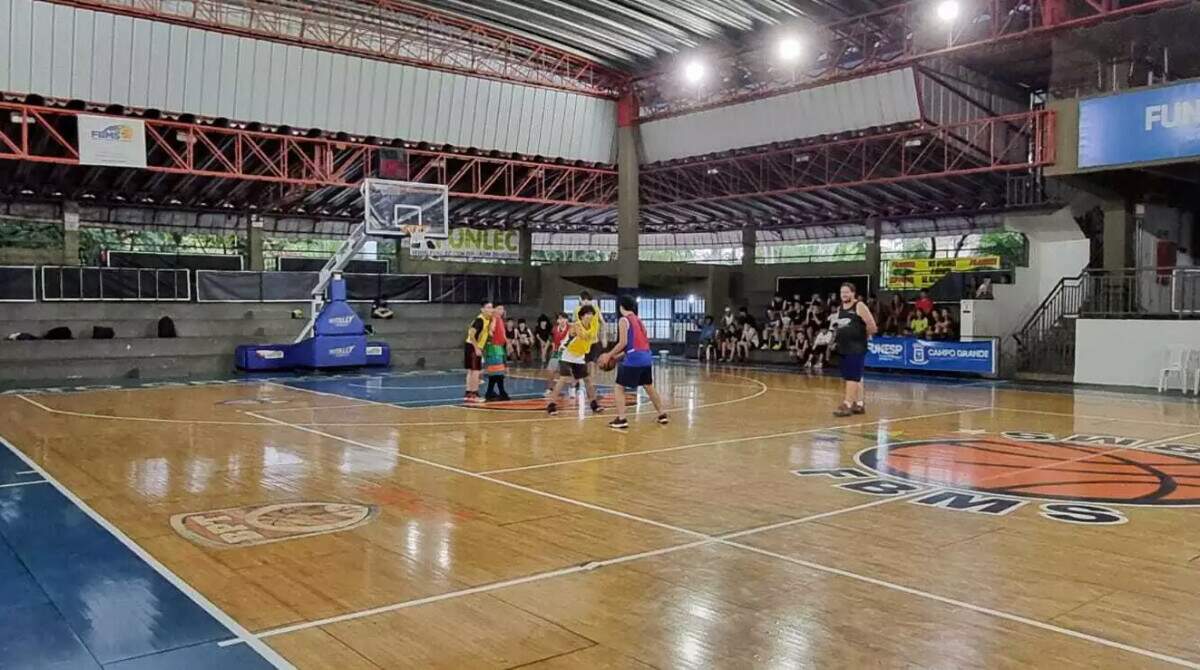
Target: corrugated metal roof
{"type": "Point", "coordinates": [635, 32]}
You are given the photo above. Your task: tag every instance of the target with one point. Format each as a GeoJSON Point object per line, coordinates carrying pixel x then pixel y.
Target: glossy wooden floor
{"type": "Point", "coordinates": [503, 538]}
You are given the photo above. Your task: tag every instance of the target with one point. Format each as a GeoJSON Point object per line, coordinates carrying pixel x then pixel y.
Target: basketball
{"type": "Point", "coordinates": [606, 362]}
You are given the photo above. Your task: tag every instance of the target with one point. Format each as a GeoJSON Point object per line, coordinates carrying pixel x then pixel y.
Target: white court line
{"type": "Point", "coordinates": [26, 472]}
{"type": "Point", "coordinates": [143, 419]}
{"type": "Point", "coordinates": [408, 388]}
{"type": "Point", "coordinates": [215, 612]}
{"type": "Point", "coordinates": [551, 574]}
{"type": "Point", "coordinates": [10, 486]}
{"type": "Point", "coordinates": [1000, 614]}
{"type": "Point", "coordinates": [735, 440]}
{"type": "Point", "coordinates": [542, 419]}
{"type": "Point", "coordinates": [476, 475]}
{"type": "Point", "coordinates": [390, 424]}
{"type": "Point", "coordinates": [332, 395]}
{"type": "Point", "coordinates": [726, 539]}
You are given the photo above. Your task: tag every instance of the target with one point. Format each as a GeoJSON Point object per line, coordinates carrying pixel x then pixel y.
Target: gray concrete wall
{"type": "Point", "coordinates": [421, 336]}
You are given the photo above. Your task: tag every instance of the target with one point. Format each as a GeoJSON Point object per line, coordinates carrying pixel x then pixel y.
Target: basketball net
{"type": "Point", "coordinates": [416, 237]}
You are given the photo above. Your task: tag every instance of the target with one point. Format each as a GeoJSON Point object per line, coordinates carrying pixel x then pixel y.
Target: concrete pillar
{"type": "Point", "coordinates": [254, 244]}
{"type": "Point", "coordinates": [530, 276]}
{"type": "Point", "coordinates": [1119, 228]}
{"type": "Point", "coordinates": [749, 247]}
{"type": "Point", "coordinates": [70, 224]}
{"type": "Point", "coordinates": [874, 260]}
{"type": "Point", "coordinates": [628, 197]}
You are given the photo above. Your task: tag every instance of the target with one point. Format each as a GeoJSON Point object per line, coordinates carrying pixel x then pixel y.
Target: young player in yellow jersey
{"type": "Point", "coordinates": [573, 366]}
{"type": "Point", "coordinates": [601, 341]}
{"type": "Point", "coordinates": [477, 337]}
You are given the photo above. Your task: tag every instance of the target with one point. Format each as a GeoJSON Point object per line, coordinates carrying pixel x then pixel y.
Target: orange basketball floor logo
{"type": "Point", "coordinates": [1046, 469]}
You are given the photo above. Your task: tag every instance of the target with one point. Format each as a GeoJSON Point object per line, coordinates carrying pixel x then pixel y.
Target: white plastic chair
{"type": "Point", "coordinates": [1177, 360]}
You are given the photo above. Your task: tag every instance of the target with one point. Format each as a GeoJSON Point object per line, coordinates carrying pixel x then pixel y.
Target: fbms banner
{"type": "Point", "coordinates": [1155, 124]}
{"type": "Point", "coordinates": [909, 353]}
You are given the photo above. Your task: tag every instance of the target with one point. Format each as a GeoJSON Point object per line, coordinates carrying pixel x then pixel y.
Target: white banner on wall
{"type": "Point", "coordinates": [109, 140]}
{"type": "Point", "coordinates": [470, 243]}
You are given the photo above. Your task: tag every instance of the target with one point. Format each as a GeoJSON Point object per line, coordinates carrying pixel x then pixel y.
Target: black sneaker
{"type": "Point", "coordinates": [490, 397]}
{"type": "Point", "coordinates": [663, 419]}
{"type": "Point", "coordinates": [503, 397]}
{"type": "Point", "coordinates": [858, 408]}
{"type": "Point", "coordinates": [552, 409]}
{"type": "Point", "coordinates": [843, 410]}
{"type": "Point", "coordinates": [619, 424]}
{"type": "Point", "coordinates": [596, 408]}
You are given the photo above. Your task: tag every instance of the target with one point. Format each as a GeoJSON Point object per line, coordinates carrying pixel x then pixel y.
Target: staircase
{"type": "Point", "coordinates": [1046, 343]}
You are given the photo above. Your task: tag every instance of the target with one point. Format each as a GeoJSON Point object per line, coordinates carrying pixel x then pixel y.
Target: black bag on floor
{"type": "Point", "coordinates": [166, 327]}
{"type": "Point", "coordinates": [102, 333]}
{"type": "Point", "coordinates": [58, 333]}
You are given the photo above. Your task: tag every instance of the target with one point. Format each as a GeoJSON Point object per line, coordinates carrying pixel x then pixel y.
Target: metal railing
{"type": "Point", "coordinates": [1046, 343]}
{"type": "Point", "coordinates": [1142, 293]}
{"type": "Point", "coordinates": [67, 283]}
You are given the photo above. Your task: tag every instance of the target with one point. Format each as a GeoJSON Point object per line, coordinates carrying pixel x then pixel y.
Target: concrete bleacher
{"type": "Point", "coordinates": [427, 336]}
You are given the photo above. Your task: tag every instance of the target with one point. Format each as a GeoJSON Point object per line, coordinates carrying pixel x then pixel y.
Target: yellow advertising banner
{"type": "Point", "coordinates": [921, 273]}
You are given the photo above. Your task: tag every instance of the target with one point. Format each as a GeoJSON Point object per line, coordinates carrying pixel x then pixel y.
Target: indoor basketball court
{"type": "Point", "coordinates": [599, 334]}
{"type": "Point", "coordinates": [958, 524]}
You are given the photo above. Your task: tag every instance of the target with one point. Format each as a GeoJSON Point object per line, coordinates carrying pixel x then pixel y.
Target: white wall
{"type": "Point", "coordinates": [1057, 249]}
{"type": "Point", "coordinates": [65, 52]}
{"type": "Point", "coordinates": [1128, 352]}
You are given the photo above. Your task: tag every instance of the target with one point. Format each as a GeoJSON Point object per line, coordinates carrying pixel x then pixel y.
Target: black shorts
{"type": "Point", "coordinates": [471, 360]}
{"type": "Point", "coordinates": [574, 370]}
{"type": "Point", "coordinates": [593, 354]}
{"type": "Point", "coordinates": [633, 377]}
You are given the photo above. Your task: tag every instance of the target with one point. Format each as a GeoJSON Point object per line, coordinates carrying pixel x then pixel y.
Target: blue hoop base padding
{"type": "Point", "coordinates": [319, 352]}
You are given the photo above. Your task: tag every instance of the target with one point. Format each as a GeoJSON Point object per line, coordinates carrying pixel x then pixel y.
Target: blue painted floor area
{"type": "Point", "coordinates": [427, 390]}
{"type": "Point", "coordinates": [73, 596]}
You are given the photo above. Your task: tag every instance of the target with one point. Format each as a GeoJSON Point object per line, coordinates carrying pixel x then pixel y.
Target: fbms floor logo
{"type": "Point", "coordinates": [1083, 479]}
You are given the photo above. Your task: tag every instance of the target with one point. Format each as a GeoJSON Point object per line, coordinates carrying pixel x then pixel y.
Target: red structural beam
{"type": "Point", "coordinates": [881, 40]}
{"type": "Point", "coordinates": [995, 144]}
{"type": "Point", "coordinates": [388, 30]}
{"type": "Point", "coordinates": [50, 135]}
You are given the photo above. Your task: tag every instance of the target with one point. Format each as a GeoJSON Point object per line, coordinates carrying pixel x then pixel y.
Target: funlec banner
{"type": "Point", "coordinates": [919, 273]}
{"type": "Point", "coordinates": [1155, 124]}
{"type": "Point", "coordinates": [110, 140]}
{"type": "Point", "coordinates": [909, 353]}
{"type": "Point", "coordinates": [470, 243]}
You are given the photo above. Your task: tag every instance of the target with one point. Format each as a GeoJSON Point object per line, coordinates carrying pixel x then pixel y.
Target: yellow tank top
{"type": "Point", "coordinates": [482, 336]}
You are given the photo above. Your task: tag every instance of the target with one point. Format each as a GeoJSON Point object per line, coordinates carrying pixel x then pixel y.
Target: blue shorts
{"type": "Point", "coordinates": [852, 366]}
{"type": "Point", "coordinates": [632, 377]}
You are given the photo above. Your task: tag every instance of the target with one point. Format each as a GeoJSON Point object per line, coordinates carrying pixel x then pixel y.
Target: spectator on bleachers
{"type": "Point", "coordinates": [728, 319]}
{"type": "Point", "coordinates": [822, 349]}
{"type": "Point", "coordinates": [895, 319]}
{"type": "Point", "coordinates": [777, 303]}
{"type": "Point", "coordinates": [544, 337]}
{"type": "Point", "coordinates": [744, 317]}
{"type": "Point", "coordinates": [924, 303]}
{"type": "Point", "coordinates": [918, 324]}
{"type": "Point", "coordinates": [943, 327]}
{"type": "Point", "coordinates": [798, 344]}
{"type": "Point", "coordinates": [749, 341]}
{"type": "Point", "coordinates": [773, 336]}
{"type": "Point", "coordinates": [984, 292]}
{"type": "Point", "coordinates": [728, 342]}
{"type": "Point", "coordinates": [708, 340]}
{"type": "Point", "coordinates": [524, 346]}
